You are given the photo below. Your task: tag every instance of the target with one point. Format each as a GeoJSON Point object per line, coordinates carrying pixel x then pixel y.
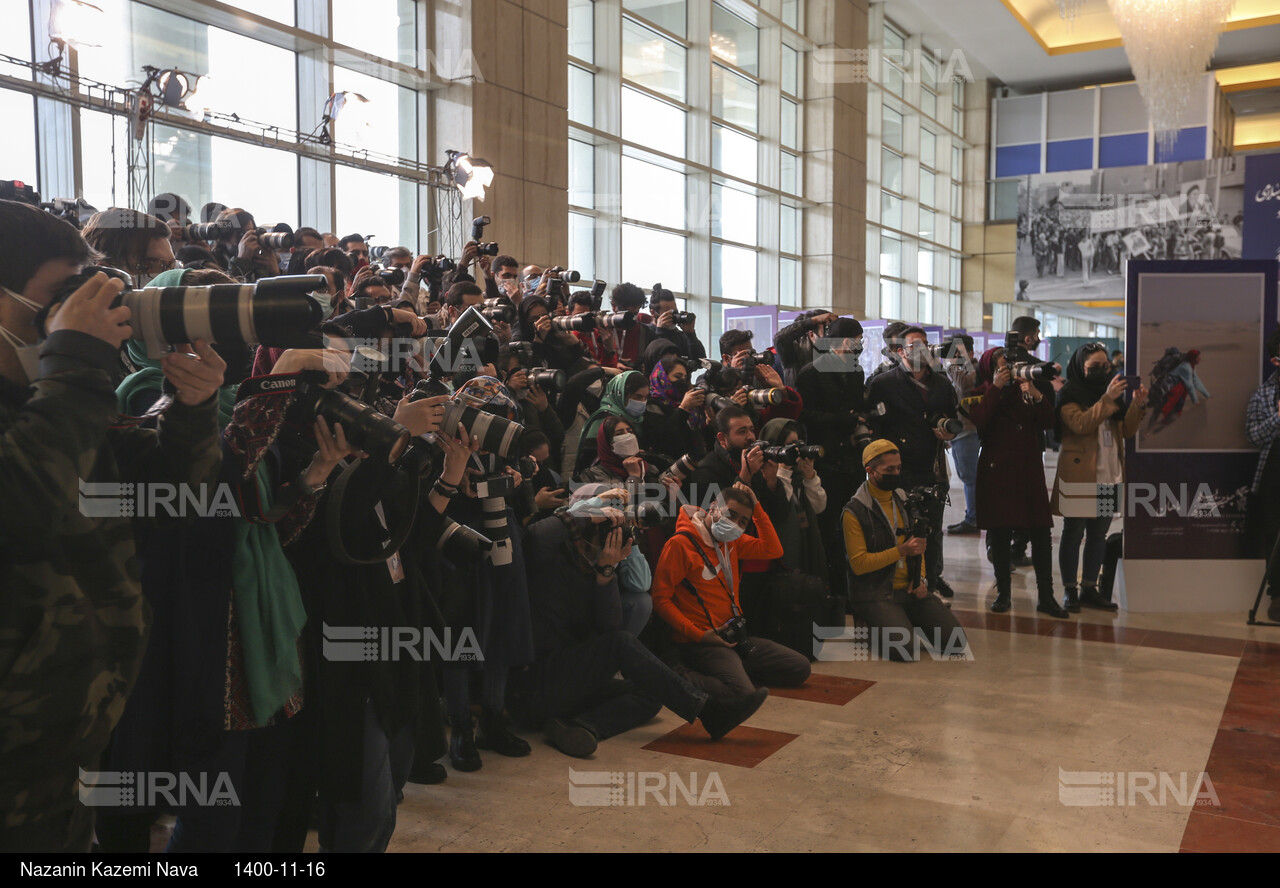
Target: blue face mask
{"type": "Point", "coordinates": [725, 531]}
{"type": "Point", "coordinates": [594, 504]}
{"type": "Point", "coordinates": [635, 409]}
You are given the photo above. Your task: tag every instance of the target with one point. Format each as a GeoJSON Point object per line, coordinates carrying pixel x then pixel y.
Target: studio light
{"type": "Point", "coordinates": [351, 107]}
{"type": "Point", "coordinates": [74, 23]}
{"type": "Point", "coordinates": [174, 88]}
{"type": "Point", "coordinates": [471, 175]}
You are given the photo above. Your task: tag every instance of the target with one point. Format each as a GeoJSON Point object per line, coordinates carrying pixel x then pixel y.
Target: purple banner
{"type": "Point", "coordinates": [1262, 207]}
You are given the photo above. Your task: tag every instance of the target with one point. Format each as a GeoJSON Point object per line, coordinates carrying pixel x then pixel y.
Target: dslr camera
{"type": "Point", "coordinates": [790, 454]}
{"type": "Point", "coordinates": [1023, 365]}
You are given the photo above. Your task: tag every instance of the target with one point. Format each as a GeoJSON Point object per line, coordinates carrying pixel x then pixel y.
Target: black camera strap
{"type": "Point", "coordinates": [719, 574]}
{"type": "Point", "coordinates": [333, 520]}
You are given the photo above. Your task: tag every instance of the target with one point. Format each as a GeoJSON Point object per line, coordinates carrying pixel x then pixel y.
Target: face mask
{"type": "Point", "coordinates": [626, 445]}
{"type": "Point", "coordinates": [28, 355]}
{"type": "Point", "coordinates": [586, 506]}
{"type": "Point", "coordinates": [725, 531]}
{"type": "Point", "coordinates": [635, 409]}
{"type": "Point", "coordinates": [888, 482]}
{"type": "Point", "coordinates": [1097, 374]}
{"type": "Point", "coordinates": [320, 299]}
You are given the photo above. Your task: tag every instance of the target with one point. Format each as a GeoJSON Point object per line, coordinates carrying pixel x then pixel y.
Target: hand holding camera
{"type": "Point", "coordinates": [457, 453]}
{"type": "Point", "coordinates": [88, 310]}
{"type": "Point", "coordinates": [693, 399]}
{"type": "Point", "coordinates": [335, 362]}
{"type": "Point", "coordinates": [1115, 390]}
{"type": "Point", "coordinates": [549, 498]}
{"type": "Point", "coordinates": [667, 320]}
{"type": "Point", "coordinates": [332, 448]}
{"type": "Point", "coordinates": [421, 417]}
{"type": "Point", "coordinates": [196, 371]}
{"type": "Point", "coordinates": [713, 637]}
{"type": "Point", "coordinates": [913, 546]}
{"type": "Point", "coordinates": [1002, 377]}
{"type": "Point", "coordinates": [768, 376]}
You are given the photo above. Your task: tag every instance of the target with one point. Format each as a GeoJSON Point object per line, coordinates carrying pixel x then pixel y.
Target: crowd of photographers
{"type": "Point", "coordinates": [584, 517]}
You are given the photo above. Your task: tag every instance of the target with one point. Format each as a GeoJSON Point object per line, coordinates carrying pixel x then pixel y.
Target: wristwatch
{"type": "Point", "coordinates": [605, 570]}
{"type": "Point", "coordinates": [307, 490]}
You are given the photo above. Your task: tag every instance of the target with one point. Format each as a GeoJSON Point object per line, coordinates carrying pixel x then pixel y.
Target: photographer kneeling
{"type": "Point", "coordinates": [695, 591]}
{"type": "Point", "coordinates": [886, 592]}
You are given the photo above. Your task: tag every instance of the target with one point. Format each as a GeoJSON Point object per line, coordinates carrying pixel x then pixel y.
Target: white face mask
{"type": "Point", "coordinates": [626, 445]}
{"type": "Point", "coordinates": [28, 355]}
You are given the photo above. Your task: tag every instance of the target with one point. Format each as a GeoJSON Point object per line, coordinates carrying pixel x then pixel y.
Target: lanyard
{"type": "Point", "coordinates": [733, 602]}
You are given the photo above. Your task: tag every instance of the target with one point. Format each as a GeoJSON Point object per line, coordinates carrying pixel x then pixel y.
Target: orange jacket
{"type": "Point", "coordinates": [680, 561]}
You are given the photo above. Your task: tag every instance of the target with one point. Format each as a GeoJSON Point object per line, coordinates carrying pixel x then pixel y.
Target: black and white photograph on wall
{"type": "Point", "coordinates": [1078, 230]}
{"type": "Point", "coordinates": [1199, 358]}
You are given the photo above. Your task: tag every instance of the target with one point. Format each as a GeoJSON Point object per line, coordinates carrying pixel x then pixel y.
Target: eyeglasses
{"type": "Point", "coordinates": [153, 266]}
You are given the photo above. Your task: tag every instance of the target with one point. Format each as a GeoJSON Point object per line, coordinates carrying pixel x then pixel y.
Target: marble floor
{"type": "Point", "coordinates": [1088, 734]}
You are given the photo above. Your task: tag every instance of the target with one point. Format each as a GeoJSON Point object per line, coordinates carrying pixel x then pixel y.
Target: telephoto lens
{"type": "Point", "coordinates": [551, 380]}
{"type": "Point", "coordinates": [393, 277]}
{"type": "Point", "coordinates": [717, 402]}
{"type": "Point", "coordinates": [275, 312]}
{"type": "Point", "coordinates": [581, 323]}
{"type": "Point", "coordinates": [495, 526]}
{"type": "Point", "coordinates": [1033, 372]}
{"type": "Point", "coordinates": [275, 237]}
{"type": "Point", "coordinates": [209, 231]}
{"type": "Point", "coordinates": [499, 313]}
{"type": "Point", "coordinates": [792, 453]}
{"type": "Point", "coordinates": [364, 427]}
{"type": "Point", "coordinates": [681, 468]}
{"type": "Point", "coordinates": [462, 544]}
{"type": "Point", "coordinates": [569, 277]}
{"type": "Point", "coordinates": [766, 397]}
{"type": "Point", "coordinates": [497, 435]}
{"type": "Point", "coordinates": [616, 320]}
{"type": "Point", "coordinates": [946, 424]}
{"type": "Point", "coordinates": [376, 253]}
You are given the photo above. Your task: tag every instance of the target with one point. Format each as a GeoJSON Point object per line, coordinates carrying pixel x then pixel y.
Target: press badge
{"type": "Point", "coordinates": [394, 565]}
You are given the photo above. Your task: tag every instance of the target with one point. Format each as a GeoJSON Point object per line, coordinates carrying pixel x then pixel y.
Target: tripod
{"type": "Point", "coordinates": [1262, 587]}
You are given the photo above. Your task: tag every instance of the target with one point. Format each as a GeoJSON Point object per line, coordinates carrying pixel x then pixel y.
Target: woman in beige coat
{"type": "Point", "coordinates": [1092, 425]}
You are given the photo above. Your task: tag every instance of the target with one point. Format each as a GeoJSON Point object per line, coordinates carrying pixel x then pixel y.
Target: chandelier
{"type": "Point", "coordinates": [1068, 9]}
{"type": "Point", "coordinates": [1169, 44]}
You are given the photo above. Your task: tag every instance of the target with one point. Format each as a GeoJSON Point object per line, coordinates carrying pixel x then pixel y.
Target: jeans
{"type": "Point", "coordinates": [998, 544]}
{"type": "Point", "coordinates": [1094, 533]}
{"type": "Point", "coordinates": [578, 683]}
{"type": "Point", "coordinates": [366, 826]}
{"type": "Point", "coordinates": [637, 607]}
{"type": "Point", "coordinates": [725, 674]}
{"type": "Point", "coordinates": [965, 453]}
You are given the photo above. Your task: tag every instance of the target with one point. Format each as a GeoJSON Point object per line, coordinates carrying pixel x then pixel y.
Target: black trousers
{"type": "Point", "coordinates": [723, 673]}
{"type": "Point", "coordinates": [1041, 557]}
{"type": "Point", "coordinates": [578, 683]}
{"type": "Point", "coordinates": [905, 624]}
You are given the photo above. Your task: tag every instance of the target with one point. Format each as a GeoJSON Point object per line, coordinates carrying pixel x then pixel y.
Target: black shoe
{"type": "Point", "coordinates": [963, 528]}
{"type": "Point", "coordinates": [494, 735]}
{"type": "Point", "coordinates": [1001, 604]}
{"type": "Point", "coordinates": [1090, 597]}
{"type": "Point", "coordinates": [1273, 609]}
{"type": "Point", "coordinates": [719, 718]}
{"type": "Point", "coordinates": [1071, 601]}
{"type": "Point", "coordinates": [570, 738]}
{"type": "Point", "coordinates": [1050, 607]}
{"type": "Point", "coordinates": [429, 774]}
{"type": "Point", "coordinates": [462, 751]}
{"type": "Point", "coordinates": [943, 589]}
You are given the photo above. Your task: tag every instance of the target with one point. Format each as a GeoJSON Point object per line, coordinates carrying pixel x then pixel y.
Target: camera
{"type": "Point", "coordinates": [436, 266]}
{"type": "Point", "coordinates": [920, 502]}
{"type": "Point", "coordinates": [1023, 365]}
{"type": "Point", "coordinates": [766, 397]}
{"type": "Point", "coordinates": [378, 253]}
{"type": "Point", "coordinates": [942, 423]}
{"type": "Point", "coordinates": [734, 631]}
{"type": "Point", "coordinates": [559, 274]}
{"type": "Point", "coordinates": [469, 345]}
{"type": "Point", "coordinates": [792, 453]}
{"type": "Point", "coordinates": [462, 544]}
{"type": "Point", "coordinates": [582, 323]}
{"type": "Point", "coordinates": [681, 468]}
{"type": "Point", "coordinates": [497, 485]}
{"type": "Point", "coordinates": [646, 514]}
{"type": "Point", "coordinates": [496, 434]}
{"type": "Point", "coordinates": [527, 353]}
{"type": "Point", "coordinates": [392, 277]}
{"type": "Point", "coordinates": [550, 380]}
{"type": "Point", "coordinates": [862, 434]}
{"type": "Point", "coordinates": [495, 310]}
{"type": "Point", "coordinates": [209, 231]}
{"type": "Point", "coordinates": [489, 249]}
{"type": "Point", "coordinates": [682, 318]}
{"type": "Point", "coordinates": [750, 360]}
{"type": "Point", "coordinates": [615, 320]}
{"type": "Point", "coordinates": [275, 312]}
{"type": "Point", "coordinates": [363, 425]}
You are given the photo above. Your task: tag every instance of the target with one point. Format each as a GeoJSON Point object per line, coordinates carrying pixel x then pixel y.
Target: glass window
{"type": "Point", "coordinates": [893, 38]}
{"type": "Point", "coordinates": [18, 112]}
{"type": "Point", "coordinates": [928, 148]}
{"type": "Point", "coordinates": [790, 128]}
{"type": "Point", "coordinates": [582, 244]}
{"type": "Point", "coordinates": [789, 282]}
{"type": "Point", "coordinates": [15, 40]}
{"type": "Point", "coordinates": [370, 203]}
{"type": "Point", "coordinates": [733, 273]}
{"type": "Point", "coordinates": [956, 205]}
{"type": "Point", "coordinates": [385, 123]}
{"type": "Point", "coordinates": [103, 166]}
{"type": "Point", "coordinates": [928, 69]}
{"type": "Point", "coordinates": [790, 70]}
{"type": "Point", "coordinates": [276, 10]}
{"type": "Point", "coordinates": [924, 267]}
{"type": "Point", "coordinates": [890, 257]}
{"type": "Point", "coordinates": [734, 40]}
{"type": "Point", "coordinates": [734, 153]}
{"type": "Point", "coordinates": [957, 162]}
{"type": "Point", "coordinates": [791, 13]}
{"type": "Point", "coordinates": [733, 98]}
{"type": "Point", "coordinates": [382, 27]}
{"type": "Point", "coordinates": [955, 272]}
{"type": "Point", "coordinates": [652, 60]}
{"type": "Point", "coordinates": [927, 224]}
{"type": "Point", "coordinates": [953, 309]}
{"type": "Point", "coordinates": [929, 103]}
{"type": "Point", "coordinates": [648, 254]}
{"type": "Point", "coordinates": [890, 210]}
{"type": "Point", "coordinates": [891, 76]}
{"type": "Point", "coordinates": [733, 215]}
{"type": "Point", "coordinates": [790, 173]}
{"type": "Point", "coordinates": [927, 195]}
{"type": "Point", "coordinates": [582, 174]}
{"type": "Point", "coordinates": [892, 136]}
{"type": "Point", "coordinates": [890, 170]}
{"type": "Point", "coordinates": [263, 181]}
{"type": "Point", "coordinates": [653, 123]}
{"type": "Point", "coordinates": [957, 121]}
{"type": "Point", "coordinates": [667, 14]}
{"type": "Point", "coordinates": [652, 194]}
{"type": "Point", "coordinates": [955, 234]}
{"type": "Point", "coordinates": [789, 230]}
{"type": "Point", "coordinates": [582, 96]}
{"type": "Point", "coordinates": [890, 299]}
{"type": "Point", "coordinates": [582, 30]}
{"type": "Point", "coordinates": [924, 313]}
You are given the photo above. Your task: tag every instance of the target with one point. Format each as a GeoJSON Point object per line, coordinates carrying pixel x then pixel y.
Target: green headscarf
{"type": "Point", "coordinates": [150, 378]}
{"type": "Point", "coordinates": [614, 403]}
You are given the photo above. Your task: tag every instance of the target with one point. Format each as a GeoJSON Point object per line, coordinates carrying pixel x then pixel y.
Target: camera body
{"type": "Point", "coordinates": [496, 485]}
{"type": "Point", "coordinates": [920, 502]}
{"type": "Point", "coordinates": [683, 318]}
{"type": "Point", "coordinates": [1023, 365]}
{"type": "Point", "coordinates": [862, 434]}
{"type": "Point", "coordinates": [392, 277]}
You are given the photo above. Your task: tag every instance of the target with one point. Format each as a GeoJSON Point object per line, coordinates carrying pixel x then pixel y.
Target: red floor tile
{"type": "Point", "coordinates": [745, 747]}
{"type": "Point", "coordinates": [1245, 803]}
{"type": "Point", "coordinates": [1251, 717]}
{"type": "Point", "coordinates": [1245, 759]}
{"type": "Point", "coordinates": [833, 689]}
{"type": "Point", "coordinates": [1205, 832]}
{"type": "Point", "coordinates": [1196, 644]}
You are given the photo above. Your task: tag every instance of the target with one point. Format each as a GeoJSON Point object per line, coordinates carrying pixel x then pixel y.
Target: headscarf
{"type": "Point", "coordinates": [150, 377]}
{"type": "Point", "coordinates": [1078, 389]}
{"type": "Point", "coordinates": [524, 326]}
{"type": "Point", "coordinates": [604, 452]}
{"type": "Point", "coordinates": [488, 394]}
{"type": "Point", "coordinates": [775, 431]}
{"type": "Point", "coordinates": [614, 403]}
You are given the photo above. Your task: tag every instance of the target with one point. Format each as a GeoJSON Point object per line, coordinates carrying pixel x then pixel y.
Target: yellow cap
{"type": "Point", "coordinates": [876, 448]}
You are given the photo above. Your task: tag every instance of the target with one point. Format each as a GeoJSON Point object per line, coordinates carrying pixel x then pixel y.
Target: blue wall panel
{"type": "Point", "coordinates": [1189, 146]}
{"type": "Point", "coordinates": [1120, 151]}
{"type": "Point", "coordinates": [1017, 160]}
{"type": "Point", "coordinates": [1069, 154]}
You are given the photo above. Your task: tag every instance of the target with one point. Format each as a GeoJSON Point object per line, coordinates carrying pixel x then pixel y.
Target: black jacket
{"type": "Point", "coordinates": [906, 420]}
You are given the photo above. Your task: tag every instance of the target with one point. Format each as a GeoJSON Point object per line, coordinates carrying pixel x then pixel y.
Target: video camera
{"type": "Point", "coordinates": [275, 312]}
{"type": "Point", "coordinates": [920, 503]}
